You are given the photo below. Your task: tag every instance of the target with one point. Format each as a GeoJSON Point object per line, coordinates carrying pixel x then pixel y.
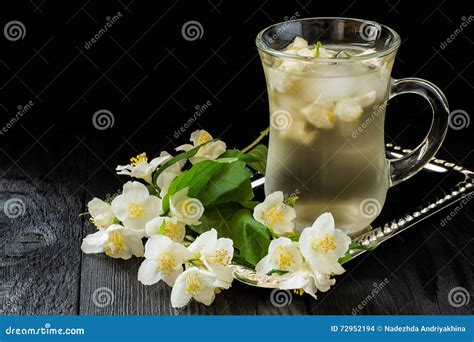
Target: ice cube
{"type": "Point", "coordinates": [320, 116]}
{"type": "Point", "coordinates": [299, 43]}
{"type": "Point", "coordinates": [326, 53]}
{"type": "Point", "coordinates": [330, 88]}
{"type": "Point", "coordinates": [298, 132]}
{"type": "Point", "coordinates": [280, 78]}
{"type": "Point", "coordinates": [376, 81]}
{"type": "Point", "coordinates": [347, 110]}
{"type": "Point", "coordinates": [351, 108]}
{"type": "Point", "coordinates": [305, 52]}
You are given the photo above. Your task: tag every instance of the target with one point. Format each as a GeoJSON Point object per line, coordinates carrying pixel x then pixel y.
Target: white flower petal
{"type": "Point", "coordinates": [135, 191]}
{"type": "Point", "coordinates": [94, 243]}
{"type": "Point", "coordinates": [324, 224]}
{"type": "Point", "coordinates": [120, 206]}
{"type": "Point", "coordinates": [170, 279]}
{"type": "Point", "coordinates": [153, 226]}
{"type": "Point", "coordinates": [208, 238]}
{"type": "Point", "coordinates": [342, 242]}
{"type": "Point", "coordinates": [185, 147]}
{"type": "Point", "coordinates": [134, 243]}
{"type": "Point", "coordinates": [323, 281]}
{"type": "Point", "coordinates": [280, 242]}
{"type": "Point", "coordinates": [155, 245]}
{"type": "Point", "coordinates": [152, 206]}
{"type": "Point", "coordinates": [206, 296]}
{"type": "Point", "coordinates": [264, 266]}
{"type": "Point", "coordinates": [147, 273]}
{"type": "Point", "coordinates": [179, 297]}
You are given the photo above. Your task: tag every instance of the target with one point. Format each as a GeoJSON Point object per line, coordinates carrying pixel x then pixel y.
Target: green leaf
{"type": "Point", "coordinates": [245, 280]}
{"type": "Point", "coordinates": [231, 183]}
{"type": "Point", "coordinates": [152, 189]}
{"type": "Point", "coordinates": [249, 204]}
{"type": "Point", "coordinates": [250, 237]}
{"type": "Point", "coordinates": [218, 217]}
{"type": "Point", "coordinates": [231, 154]}
{"type": "Point", "coordinates": [161, 231]}
{"type": "Point", "coordinates": [279, 272]}
{"type": "Point", "coordinates": [196, 178]}
{"type": "Point", "coordinates": [356, 246]}
{"type": "Point", "coordinates": [226, 160]}
{"type": "Point", "coordinates": [345, 258]}
{"type": "Point", "coordinates": [295, 237]}
{"type": "Point", "coordinates": [256, 158]}
{"type": "Point", "coordinates": [188, 154]}
{"type": "Point", "coordinates": [317, 46]}
{"type": "Point", "coordinates": [239, 260]}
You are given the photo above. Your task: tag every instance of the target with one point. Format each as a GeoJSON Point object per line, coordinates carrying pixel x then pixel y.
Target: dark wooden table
{"type": "Point", "coordinates": [43, 271]}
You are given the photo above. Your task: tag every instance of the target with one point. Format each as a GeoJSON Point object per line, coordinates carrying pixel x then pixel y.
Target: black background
{"type": "Point", "coordinates": [151, 79]}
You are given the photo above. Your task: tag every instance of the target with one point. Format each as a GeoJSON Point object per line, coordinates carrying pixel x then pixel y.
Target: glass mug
{"type": "Point", "coordinates": [328, 82]}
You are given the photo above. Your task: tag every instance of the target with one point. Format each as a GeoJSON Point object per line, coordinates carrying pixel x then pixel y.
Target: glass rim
{"type": "Point", "coordinates": [393, 46]}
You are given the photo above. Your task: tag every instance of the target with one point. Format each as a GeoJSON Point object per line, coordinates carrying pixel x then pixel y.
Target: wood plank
{"type": "Point", "coordinates": [39, 255]}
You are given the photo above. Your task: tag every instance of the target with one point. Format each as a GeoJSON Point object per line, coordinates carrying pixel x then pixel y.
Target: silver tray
{"type": "Point", "coordinates": [446, 183]}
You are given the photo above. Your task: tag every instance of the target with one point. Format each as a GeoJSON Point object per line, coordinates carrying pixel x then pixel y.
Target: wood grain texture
{"type": "Point", "coordinates": [39, 256]}
{"type": "Point", "coordinates": [43, 271]}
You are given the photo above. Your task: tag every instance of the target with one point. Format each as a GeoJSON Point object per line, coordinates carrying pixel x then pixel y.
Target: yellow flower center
{"type": "Point", "coordinates": [193, 284]}
{"type": "Point", "coordinates": [221, 257]}
{"type": "Point", "coordinates": [136, 211]}
{"type": "Point", "coordinates": [285, 259]}
{"type": "Point", "coordinates": [139, 159]}
{"type": "Point", "coordinates": [331, 116]}
{"type": "Point", "coordinates": [172, 231]}
{"type": "Point", "coordinates": [165, 263]}
{"type": "Point", "coordinates": [272, 216]}
{"type": "Point", "coordinates": [299, 292]}
{"type": "Point", "coordinates": [116, 244]}
{"type": "Point", "coordinates": [327, 243]}
{"type": "Point", "coordinates": [92, 220]}
{"type": "Point", "coordinates": [203, 138]}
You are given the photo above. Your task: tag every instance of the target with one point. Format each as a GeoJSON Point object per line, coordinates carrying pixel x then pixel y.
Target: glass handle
{"type": "Point", "coordinates": [406, 166]}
